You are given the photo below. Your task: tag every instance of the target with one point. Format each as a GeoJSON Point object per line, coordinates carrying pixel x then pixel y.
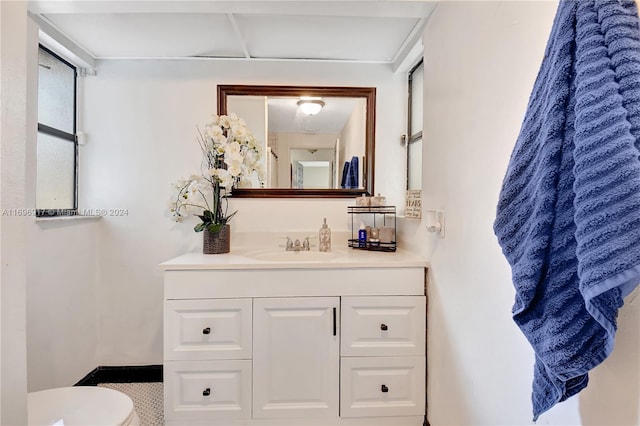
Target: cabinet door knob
{"type": "Point", "coordinates": [207, 392]}
{"type": "Point", "coordinates": [206, 330]}
{"type": "Point", "coordinates": [384, 327]}
{"type": "Point", "coordinates": [384, 388]}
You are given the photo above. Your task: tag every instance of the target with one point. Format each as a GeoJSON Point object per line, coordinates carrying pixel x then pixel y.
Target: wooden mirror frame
{"type": "Point", "coordinates": [368, 93]}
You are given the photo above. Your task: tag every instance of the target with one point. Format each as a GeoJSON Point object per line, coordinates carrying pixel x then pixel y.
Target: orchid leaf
{"type": "Point", "coordinates": [214, 227]}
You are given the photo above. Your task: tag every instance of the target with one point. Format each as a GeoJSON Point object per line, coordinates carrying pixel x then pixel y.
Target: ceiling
{"type": "Point", "coordinates": [354, 31]}
{"type": "Point", "coordinates": [383, 32]}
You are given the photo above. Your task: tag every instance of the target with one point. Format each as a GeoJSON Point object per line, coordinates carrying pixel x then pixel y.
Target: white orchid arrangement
{"type": "Point", "coordinates": [229, 155]}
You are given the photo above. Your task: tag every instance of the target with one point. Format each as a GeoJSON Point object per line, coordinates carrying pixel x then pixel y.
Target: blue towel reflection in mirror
{"type": "Point", "coordinates": [350, 174]}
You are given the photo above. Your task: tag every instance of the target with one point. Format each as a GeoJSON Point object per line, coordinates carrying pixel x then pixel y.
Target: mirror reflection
{"type": "Point", "coordinates": [319, 148]}
{"type": "Point", "coordinates": [313, 168]}
{"type": "Point", "coordinates": [414, 147]}
{"type": "Point", "coordinates": [316, 140]}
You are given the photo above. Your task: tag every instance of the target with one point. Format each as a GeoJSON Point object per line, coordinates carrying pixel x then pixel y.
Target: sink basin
{"type": "Point", "coordinates": [293, 256]}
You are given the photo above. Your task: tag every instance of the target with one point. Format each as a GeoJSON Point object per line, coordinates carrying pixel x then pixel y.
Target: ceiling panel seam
{"type": "Point", "coordinates": [236, 28]}
{"type": "Point", "coordinates": [219, 58]}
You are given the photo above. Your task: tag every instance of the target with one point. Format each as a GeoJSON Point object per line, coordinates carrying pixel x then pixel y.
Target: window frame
{"type": "Point", "coordinates": [411, 138]}
{"type": "Point", "coordinates": [61, 134]}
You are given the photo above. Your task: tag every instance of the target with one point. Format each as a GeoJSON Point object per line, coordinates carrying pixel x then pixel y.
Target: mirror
{"type": "Point", "coordinates": [414, 142]}
{"type": "Point", "coordinates": [326, 154]}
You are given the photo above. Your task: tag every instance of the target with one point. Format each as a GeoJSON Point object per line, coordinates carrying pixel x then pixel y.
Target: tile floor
{"type": "Point", "coordinates": [147, 399]}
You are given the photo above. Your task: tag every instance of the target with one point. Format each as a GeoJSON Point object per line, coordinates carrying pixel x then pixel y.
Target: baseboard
{"type": "Point", "coordinates": [123, 374]}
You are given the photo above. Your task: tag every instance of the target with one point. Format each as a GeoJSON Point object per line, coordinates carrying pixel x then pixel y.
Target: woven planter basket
{"type": "Point", "coordinates": [217, 242]}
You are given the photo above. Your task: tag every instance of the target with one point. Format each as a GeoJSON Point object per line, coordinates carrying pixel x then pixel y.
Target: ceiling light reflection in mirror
{"type": "Point", "coordinates": [310, 106]}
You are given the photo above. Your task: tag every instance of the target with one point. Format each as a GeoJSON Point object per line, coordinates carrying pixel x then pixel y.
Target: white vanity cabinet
{"type": "Point", "coordinates": [307, 344]}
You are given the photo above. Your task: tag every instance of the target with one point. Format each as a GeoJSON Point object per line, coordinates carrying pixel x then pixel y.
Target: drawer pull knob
{"type": "Point", "coordinates": [384, 388]}
{"type": "Point", "coordinates": [207, 392]}
{"type": "Point", "coordinates": [384, 327]}
{"type": "Point", "coordinates": [206, 330]}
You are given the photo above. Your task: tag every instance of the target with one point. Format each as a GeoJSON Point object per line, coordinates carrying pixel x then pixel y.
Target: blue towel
{"type": "Point", "coordinates": [351, 171]}
{"type": "Point", "coordinates": [568, 216]}
{"type": "Point", "coordinates": [352, 176]}
{"type": "Point", "coordinates": [345, 175]}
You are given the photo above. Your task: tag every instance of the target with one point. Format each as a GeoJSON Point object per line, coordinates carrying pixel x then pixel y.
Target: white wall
{"type": "Point", "coordinates": [61, 303]}
{"type": "Point", "coordinates": [61, 265]}
{"type": "Point", "coordinates": [352, 133]}
{"type": "Point", "coordinates": [14, 122]}
{"type": "Point", "coordinates": [140, 118]}
{"type": "Point", "coordinates": [316, 177]}
{"type": "Point", "coordinates": [481, 59]}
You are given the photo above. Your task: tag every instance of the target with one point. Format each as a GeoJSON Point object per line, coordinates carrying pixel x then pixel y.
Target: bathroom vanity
{"type": "Point", "coordinates": [260, 338]}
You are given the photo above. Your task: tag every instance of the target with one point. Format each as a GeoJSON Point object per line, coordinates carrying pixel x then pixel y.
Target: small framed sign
{"type": "Point", "coordinates": [413, 206]}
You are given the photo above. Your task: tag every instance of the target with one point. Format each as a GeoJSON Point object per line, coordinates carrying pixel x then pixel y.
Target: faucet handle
{"type": "Point", "coordinates": [289, 243]}
{"type": "Point", "coordinates": [306, 245]}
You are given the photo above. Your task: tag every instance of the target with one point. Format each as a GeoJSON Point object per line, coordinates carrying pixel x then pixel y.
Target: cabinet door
{"type": "Point", "coordinates": [296, 357]}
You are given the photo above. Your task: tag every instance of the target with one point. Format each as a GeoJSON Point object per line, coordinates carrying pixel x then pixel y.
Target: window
{"type": "Point", "coordinates": [414, 126]}
{"type": "Point", "coordinates": [57, 152]}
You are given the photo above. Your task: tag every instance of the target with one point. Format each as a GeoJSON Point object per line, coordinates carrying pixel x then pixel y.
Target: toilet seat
{"type": "Point", "coordinates": [81, 406]}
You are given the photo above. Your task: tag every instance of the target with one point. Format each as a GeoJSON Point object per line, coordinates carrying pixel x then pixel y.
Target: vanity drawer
{"type": "Point", "coordinates": [207, 329]}
{"type": "Point", "coordinates": [382, 386]}
{"type": "Point", "coordinates": [207, 389]}
{"type": "Point", "coordinates": [383, 326]}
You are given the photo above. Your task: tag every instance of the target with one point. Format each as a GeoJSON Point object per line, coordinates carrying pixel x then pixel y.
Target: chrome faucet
{"type": "Point", "coordinates": [297, 245]}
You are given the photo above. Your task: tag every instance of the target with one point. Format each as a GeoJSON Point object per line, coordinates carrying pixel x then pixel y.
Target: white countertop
{"type": "Point", "coordinates": [256, 258]}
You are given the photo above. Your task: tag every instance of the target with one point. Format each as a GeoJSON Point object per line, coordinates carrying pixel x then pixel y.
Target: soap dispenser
{"type": "Point", "coordinates": [325, 237]}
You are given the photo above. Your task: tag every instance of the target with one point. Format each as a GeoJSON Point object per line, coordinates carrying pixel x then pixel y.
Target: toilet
{"type": "Point", "coordinates": [81, 406]}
